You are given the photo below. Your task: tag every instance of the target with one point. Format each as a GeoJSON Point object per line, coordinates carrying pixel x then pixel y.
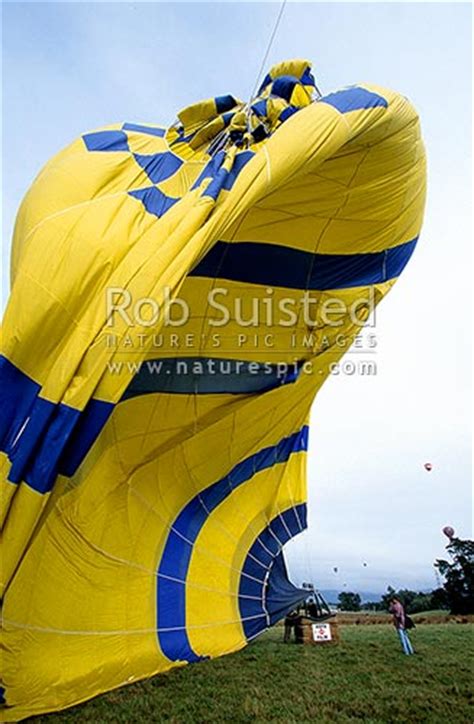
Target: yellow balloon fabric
{"type": "Point", "coordinates": [178, 298]}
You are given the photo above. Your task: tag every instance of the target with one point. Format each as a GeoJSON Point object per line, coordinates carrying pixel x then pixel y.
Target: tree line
{"type": "Point", "coordinates": [456, 595]}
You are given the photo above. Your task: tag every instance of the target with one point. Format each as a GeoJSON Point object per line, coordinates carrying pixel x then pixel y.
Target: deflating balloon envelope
{"type": "Point", "coordinates": [149, 488]}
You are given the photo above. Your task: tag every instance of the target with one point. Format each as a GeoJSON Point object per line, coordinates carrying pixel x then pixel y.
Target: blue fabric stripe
{"type": "Point", "coordinates": [282, 266]}
{"type": "Point", "coordinates": [88, 427]}
{"type": "Point", "coordinates": [283, 86]}
{"type": "Point", "coordinates": [158, 166]}
{"type": "Point", "coordinates": [225, 103]}
{"type": "Point", "coordinates": [278, 595]}
{"type": "Point", "coordinates": [154, 200]}
{"type": "Point", "coordinates": [223, 179]}
{"type": "Point", "coordinates": [106, 141]}
{"type": "Point", "coordinates": [268, 79]}
{"type": "Point", "coordinates": [210, 169]}
{"type": "Point", "coordinates": [227, 117]}
{"type": "Point", "coordinates": [22, 450]}
{"type": "Point", "coordinates": [354, 99]}
{"type": "Point", "coordinates": [150, 130]}
{"type": "Point", "coordinates": [287, 113]}
{"type": "Point", "coordinates": [308, 78]}
{"type": "Point", "coordinates": [42, 468]}
{"type": "Point", "coordinates": [240, 161]}
{"type": "Point", "coordinates": [217, 183]}
{"type": "Point", "coordinates": [213, 169]}
{"type": "Point", "coordinates": [171, 595]}
{"type": "Point", "coordinates": [54, 438]}
{"type": "Point", "coordinates": [260, 108]}
{"type": "Point", "coordinates": [18, 393]}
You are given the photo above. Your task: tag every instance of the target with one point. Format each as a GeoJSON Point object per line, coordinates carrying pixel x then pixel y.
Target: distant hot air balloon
{"type": "Point", "coordinates": [448, 532]}
{"type": "Point", "coordinates": [364, 564]}
{"type": "Point", "coordinates": [335, 569]}
{"type": "Point", "coordinates": [428, 467]}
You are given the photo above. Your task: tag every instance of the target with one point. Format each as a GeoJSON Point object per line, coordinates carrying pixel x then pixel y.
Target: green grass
{"type": "Point", "coordinates": [433, 612]}
{"type": "Point", "coordinates": [364, 678]}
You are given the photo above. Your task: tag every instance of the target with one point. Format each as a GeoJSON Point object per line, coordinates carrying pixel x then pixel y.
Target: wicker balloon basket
{"type": "Point", "coordinates": [308, 631]}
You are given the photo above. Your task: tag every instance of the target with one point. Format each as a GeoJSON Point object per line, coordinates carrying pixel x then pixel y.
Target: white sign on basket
{"type": "Point", "coordinates": [321, 632]}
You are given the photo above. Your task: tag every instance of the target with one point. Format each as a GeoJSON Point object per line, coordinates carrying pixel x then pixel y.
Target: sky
{"type": "Point", "coordinates": [73, 67]}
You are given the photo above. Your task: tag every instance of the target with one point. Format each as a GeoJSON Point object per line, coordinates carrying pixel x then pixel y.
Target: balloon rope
{"type": "Point", "coordinates": [267, 53]}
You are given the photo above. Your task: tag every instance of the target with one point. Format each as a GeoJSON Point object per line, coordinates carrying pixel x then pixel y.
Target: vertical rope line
{"type": "Point", "coordinates": [264, 60]}
{"type": "Point", "coordinates": [269, 46]}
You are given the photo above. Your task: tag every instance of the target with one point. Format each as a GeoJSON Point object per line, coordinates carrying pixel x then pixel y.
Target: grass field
{"type": "Point", "coordinates": [364, 678]}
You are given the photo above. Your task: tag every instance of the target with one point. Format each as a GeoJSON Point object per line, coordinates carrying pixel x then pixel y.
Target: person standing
{"type": "Point", "coordinates": [290, 625]}
{"type": "Point", "coordinates": [399, 621]}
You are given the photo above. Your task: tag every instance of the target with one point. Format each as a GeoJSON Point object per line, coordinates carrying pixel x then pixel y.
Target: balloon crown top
{"type": "Point", "coordinates": [212, 124]}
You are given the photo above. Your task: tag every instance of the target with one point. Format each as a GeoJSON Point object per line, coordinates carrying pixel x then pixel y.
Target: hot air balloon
{"type": "Point", "coordinates": [449, 532]}
{"type": "Point", "coordinates": [335, 569]}
{"type": "Point", "coordinates": [158, 483]}
{"type": "Point", "coordinates": [428, 467]}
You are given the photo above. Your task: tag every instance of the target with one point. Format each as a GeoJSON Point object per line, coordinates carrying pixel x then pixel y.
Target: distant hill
{"type": "Point", "coordinates": [331, 594]}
